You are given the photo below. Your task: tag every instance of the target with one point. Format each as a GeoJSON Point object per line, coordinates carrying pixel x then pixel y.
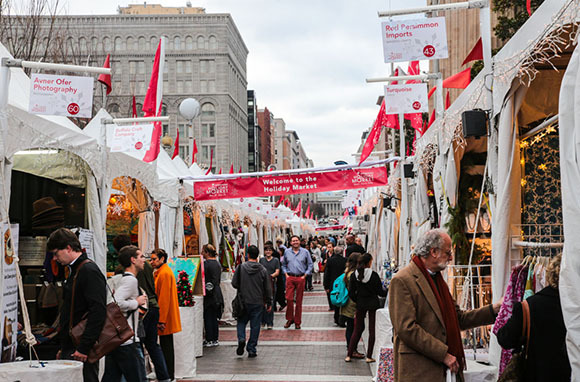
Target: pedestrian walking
{"type": "Point", "coordinates": [365, 287]}
{"type": "Point", "coordinates": [426, 320]}
{"type": "Point", "coordinates": [317, 261]}
{"type": "Point", "coordinates": [126, 360]}
{"type": "Point", "coordinates": [547, 357]}
{"type": "Point", "coordinates": [352, 246]}
{"type": "Point", "coordinates": [280, 297]}
{"type": "Point", "coordinates": [146, 282]}
{"type": "Point", "coordinates": [169, 319]}
{"type": "Point", "coordinates": [334, 268]}
{"type": "Point", "coordinates": [253, 282]}
{"type": "Point", "coordinates": [272, 265]}
{"type": "Point", "coordinates": [89, 299]}
{"type": "Point", "coordinates": [213, 301]}
{"type": "Point", "coordinates": [296, 265]}
{"type": "Point", "coordinates": [348, 312]}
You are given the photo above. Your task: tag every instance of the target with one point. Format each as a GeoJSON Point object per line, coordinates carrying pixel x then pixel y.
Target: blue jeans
{"type": "Point", "coordinates": [124, 362]}
{"type": "Point", "coordinates": [268, 318]}
{"type": "Point", "coordinates": [254, 315]}
{"type": "Point", "coordinates": [150, 341]}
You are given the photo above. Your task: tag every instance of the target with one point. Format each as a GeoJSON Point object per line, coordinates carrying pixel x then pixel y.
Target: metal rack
{"type": "Point", "coordinates": [537, 240]}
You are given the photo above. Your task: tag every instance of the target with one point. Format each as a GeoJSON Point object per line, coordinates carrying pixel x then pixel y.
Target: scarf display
{"type": "Point", "coordinates": [447, 307]}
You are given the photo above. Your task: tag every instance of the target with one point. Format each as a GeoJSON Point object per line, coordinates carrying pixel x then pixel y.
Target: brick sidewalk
{"type": "Point", "coordinates": [313, 354]}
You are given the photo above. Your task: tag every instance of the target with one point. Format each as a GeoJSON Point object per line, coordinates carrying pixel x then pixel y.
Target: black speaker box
{"type": "Point", "coordinates": [408, 170]}
{"type": "Point", "coordinates": [474, 123]}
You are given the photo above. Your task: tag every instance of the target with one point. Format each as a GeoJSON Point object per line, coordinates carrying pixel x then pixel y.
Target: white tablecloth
{"type": "Point", "coordinates": [53, 371]}
{"type": "Point", "coordinates": [229, 294]}
{"type": "Point", "coordinates": [185, 362]}
{"type": "Point", "coordinates": [198, 326]}
{"type": "Point", "coordinates": [476, 372]}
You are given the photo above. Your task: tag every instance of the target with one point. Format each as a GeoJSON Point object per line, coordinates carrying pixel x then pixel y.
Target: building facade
{"type": "Point", "coordinates": [265, 121]}
{"type": "Point", "coordinates": [332, 203]}
{"type": "Point", "coordinates": [254, 134]}
{"type": "Point", "coordinates": [205, 58]}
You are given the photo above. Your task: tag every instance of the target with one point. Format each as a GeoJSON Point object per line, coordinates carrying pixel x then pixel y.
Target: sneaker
{"type": "Point", "coordinates": [206, 343]}
{"type": "Point", "coordinates": [252, 355]}
{"type": "Point", "coordinates": [241, 346]}
{"type": "Point", "coordinates": [214, 344]}
{"type": "Point", "coordinates": [269, 327]}
{"type": "Point", "coordinates": [152, 376]}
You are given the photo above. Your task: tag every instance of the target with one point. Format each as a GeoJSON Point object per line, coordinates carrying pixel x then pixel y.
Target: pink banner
{"type": "Point", "coordinates": [273, 185]}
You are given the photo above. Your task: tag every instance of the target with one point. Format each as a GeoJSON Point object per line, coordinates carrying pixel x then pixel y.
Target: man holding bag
{"type": "Point", "coordinates": [427, 322]}
{"type": "Point", "coordinates": [89, 299]}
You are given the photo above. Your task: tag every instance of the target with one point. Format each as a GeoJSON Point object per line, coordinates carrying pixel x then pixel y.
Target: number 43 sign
{"type": "Point", "coordinates": [417, 39]}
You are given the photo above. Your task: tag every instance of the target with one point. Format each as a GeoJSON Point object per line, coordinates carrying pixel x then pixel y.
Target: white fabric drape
{"type": "Point", "coordinates": [96, 221]}
{"type": "Point", "coordinates": [569, 110]}
{"type": "Point", "coordinates": [166, 228]}
{"type": "Point", "coordinates": [508, 199]}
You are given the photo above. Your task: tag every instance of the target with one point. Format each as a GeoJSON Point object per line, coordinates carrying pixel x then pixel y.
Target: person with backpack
{"type": "Point", "coordinates": [365, 287]}
{"type": "Point", "coordinates": [348, 311]}
{"type": "Point", "coordinates": [334, 269]}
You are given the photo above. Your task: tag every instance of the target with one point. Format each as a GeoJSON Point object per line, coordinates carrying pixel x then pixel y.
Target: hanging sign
{"type": "Point", "coordinates": [132, 138]}
{"type": "Point", "coordinates": [409, 98]}
{"type": "Point", "coordinates": [417, 39]}
{"type": "Point", "coordinates": [70, 96]}
{"type": "Point", "coordinates": [273, 185]}
{"type": "Point", "coordinates": [9, 299]}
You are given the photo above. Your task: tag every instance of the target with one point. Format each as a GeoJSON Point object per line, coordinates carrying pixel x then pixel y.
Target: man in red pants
{"type": "Point", "coordinates": [296, 265]}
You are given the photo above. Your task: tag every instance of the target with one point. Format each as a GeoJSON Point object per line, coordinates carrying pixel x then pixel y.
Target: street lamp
{"type": "Point", "coordinates": [189, 109]}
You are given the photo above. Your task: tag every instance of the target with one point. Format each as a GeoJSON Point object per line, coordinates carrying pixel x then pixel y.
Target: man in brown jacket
{"type": "Point", "coordinates": [426, 320]}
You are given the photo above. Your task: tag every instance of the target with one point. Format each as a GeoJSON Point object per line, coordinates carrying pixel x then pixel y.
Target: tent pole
{"type": "Point", "coordinates": [403, 230]}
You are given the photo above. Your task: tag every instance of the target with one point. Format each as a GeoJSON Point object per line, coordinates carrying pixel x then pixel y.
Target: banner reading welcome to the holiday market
{"type": "Point", "coordinates": [272, 185]}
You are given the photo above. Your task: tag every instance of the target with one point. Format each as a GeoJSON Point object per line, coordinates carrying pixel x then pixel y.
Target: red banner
{"type": "Point", "coordinates": [272, 185]}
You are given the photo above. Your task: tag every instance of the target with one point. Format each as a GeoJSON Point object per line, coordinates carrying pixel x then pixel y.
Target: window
{"type": "Point", "coordinates": [200, 42]}
{"type": "Point", "coordinates": [83, 44]}
{"type": "Point", "coordinates": [165, 67]}
{"type": "Point", "coordinates": [163, 109]}
{"type": "Point", "coordinates": [206, 151]}
{"type": "Point", "coordinates": [208, 130]}
{"type": "Point", "coordinates": [141, 89]}
{"type": "Point", "coordinates": [116, 67]}
{"type": "Point", "coordinates": [130, 43]}
{"type": "Point", "coordinates": [213, 42]}
{"type": "Point", "coordinates": [188, 66]}
{"type": "Point", "coordinates": [165, 86]}
{"type": "Point", "coordinates": [153, 43]}
{"type": "Point", "coordinates": [188, 86]}
{"type": "Point", "coordinates": [165, 130]}
{"type": "Point", "coordinates": [203, 86]}
{"type": "Point", "coordinates": [94, 43]}
{"type": "Point", "coordinates": [139, 108]}
{"type": "Point", "coordinates": [142, 44]}
{"type": "Point", "coordinates": [183, 151]}
{"type": "Point", "coordinates": [177, 43]}
{"type": "Point", "coordinates": [118, 44]}
{"type": "Point", "coordinates": [141, 67]}
{"type": "Point", "coordinates": [208, 110]}
{"type": "Point", "coordinates": [189, 43]}
{"type": "Point", "coordinates": [211, 86]}
{"type": "Point", "coordinates": [114, 108]}
{"type": "Point", "coordinates": [180, 87]}
{"type": "Point", "coordinates": [107, 44]}
{"type": "Point", "coordinates": [180, 64]}
{"type": "Point", "coordinates": [133, 67]}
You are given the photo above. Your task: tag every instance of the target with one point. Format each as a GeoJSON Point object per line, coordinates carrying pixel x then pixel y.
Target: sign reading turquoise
{"type": "Point", "coordinates": [190, 265]}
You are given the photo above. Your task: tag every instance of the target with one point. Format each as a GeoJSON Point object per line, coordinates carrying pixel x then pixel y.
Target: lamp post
{"type": "Point", "coordinates": [189, 109]}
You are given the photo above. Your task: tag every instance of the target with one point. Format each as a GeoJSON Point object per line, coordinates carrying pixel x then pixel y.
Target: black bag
{"type": "Point", "coordinates": [238, 306]}
{"type": "Point", "coordinates": [515, 369]}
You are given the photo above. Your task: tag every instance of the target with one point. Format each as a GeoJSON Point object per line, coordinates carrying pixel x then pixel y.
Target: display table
{"type": "Point", "coordinates": [185, 362]}
{"type": "Point", "coordinates": [476, 372]}
{"type": "Point", "coordinates": [53, 371]}
{"type": "Point", "coordinates": [198, 326]}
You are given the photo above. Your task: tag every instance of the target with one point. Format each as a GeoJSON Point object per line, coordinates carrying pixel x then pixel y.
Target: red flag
{"type": "Point", "coordinates": [476, 53]}
{"type": "Point", "coordinates": [374, 134]}
{"type": "Point", "coordinates": [307, 212]}
{"type": "Point", "coordinates": [280, 201]}
{"type": "Point", "coordinates": [459, 80]}
{"type": "Point", "coordinates": [220, 171]}
{"type": "Point", "coordinates": [345, 215]}
{"type": "Point", "coordinates": [416, 120]}
{"type": "Point", "coordinates": [152, 104]}
{"type": "Point", "coordinates": [431, 120]}
{"type": "Point", "coordinates": [176, 148]}
{"type": "Point", "coordinates": [529, 7]}
{"type": "Point", "coordinates": [210, 162]}
{"type": "Point", "coordinates": [298, 209]}
{"type": "Point", "coordinates": [105, 79]}
{"type": "Point", "coordinates": [447, 101]}
{"type": "Point", "coordinates": [194, 152]}
{"type": "Point", "coordinates": [134, 115]}
{"type": "Point", "coordinates": [431, 92]}
{"type": "Point", "coordinates": [232, 169]}
{"type": "Point", "coordinates": [240, 169]}
{"type": "Point", "coordinates": [286, 202]}
{"type": "Point", "coordinates": [413, 70]}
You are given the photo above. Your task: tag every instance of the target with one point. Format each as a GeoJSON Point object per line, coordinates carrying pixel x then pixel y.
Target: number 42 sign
{"type": "Point", "coordinates": [417, 39]}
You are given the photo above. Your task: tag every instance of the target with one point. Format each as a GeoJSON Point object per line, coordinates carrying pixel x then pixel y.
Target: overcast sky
{"type": "Point", "coordinates": [308, 62]}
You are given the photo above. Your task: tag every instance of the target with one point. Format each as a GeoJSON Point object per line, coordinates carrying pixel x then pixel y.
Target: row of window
{"type": "Point", "coordinates": [181, 67]}
{"type": "Point", "coordinates": [181, 87]}
{"type": "Point", "coordinates": [207, 111]}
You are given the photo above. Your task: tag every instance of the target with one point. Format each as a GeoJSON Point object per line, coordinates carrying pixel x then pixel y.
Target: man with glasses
{"type": "Point", "coordinates": [426, 320]}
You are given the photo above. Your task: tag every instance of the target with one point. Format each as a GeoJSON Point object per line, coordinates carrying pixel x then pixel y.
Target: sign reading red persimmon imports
{"type": "Point", "coordinates": [417, 39]}
{"type": "Point", "coordinates": [272, 185]}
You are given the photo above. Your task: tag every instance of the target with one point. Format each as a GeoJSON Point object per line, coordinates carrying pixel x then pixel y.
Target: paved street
{"type": "Point", "coordinates": [314, 353]}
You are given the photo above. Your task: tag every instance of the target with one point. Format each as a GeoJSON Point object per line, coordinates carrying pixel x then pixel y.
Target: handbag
{"type": "Point", "coordinates": [238, 306]}
{"type": "Point", "coordinates": [515, 369]}
{"type": "Point", "coordinates": [115, 332]}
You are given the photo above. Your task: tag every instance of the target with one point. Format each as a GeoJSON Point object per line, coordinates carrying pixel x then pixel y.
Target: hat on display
{"type": "Point", "coordinates": [47, 214]}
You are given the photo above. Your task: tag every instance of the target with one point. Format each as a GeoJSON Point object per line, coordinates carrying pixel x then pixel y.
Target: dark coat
{"type": "Point", "coordinates": [90, 299]}
{"type": "Point", "coordinates": [366, 293]}
{"type": "Point", "coordinates": [334, 268]}
{"type": "Point", "coordinates": [254, 283]}
{"type": "Point", "coordinates": [547, 356]}
{"type": "Point", "coordinates": [354, 247]}
{"type": "Point", "coordinates": [213, 275]}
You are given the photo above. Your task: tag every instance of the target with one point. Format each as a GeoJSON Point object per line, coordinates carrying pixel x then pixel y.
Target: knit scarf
{"type": "Point", "coordinates": [447, 307]}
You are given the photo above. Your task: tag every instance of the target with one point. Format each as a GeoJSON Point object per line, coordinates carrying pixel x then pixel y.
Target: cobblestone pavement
{"type": "Point", "coordinates": [314, 353]}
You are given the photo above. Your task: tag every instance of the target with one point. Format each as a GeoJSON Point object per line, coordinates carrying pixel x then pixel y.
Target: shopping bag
{"type": "Point", "coordinates": [451, 377]}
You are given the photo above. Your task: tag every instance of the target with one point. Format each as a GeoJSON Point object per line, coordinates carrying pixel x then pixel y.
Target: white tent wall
{"type": "Point", "coordinates": [569, 114]}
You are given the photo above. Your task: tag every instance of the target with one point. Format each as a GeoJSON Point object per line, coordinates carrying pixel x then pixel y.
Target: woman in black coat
{"type": "Point", "coordinates": [547, 358]}
{"type": "Point", "coordinates": [364, 288]}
